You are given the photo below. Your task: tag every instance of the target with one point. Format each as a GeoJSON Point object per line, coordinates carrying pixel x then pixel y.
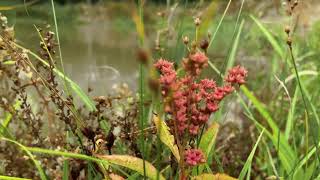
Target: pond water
{"type": "Point", "coordinates": [95, 55]}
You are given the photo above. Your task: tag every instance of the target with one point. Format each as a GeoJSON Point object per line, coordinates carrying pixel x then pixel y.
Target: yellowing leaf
{"type": "Point", "coordinates": [133, 163]}
{"type": "Point", "coordinates": [208, 138]}
{"type": "Point", "coordinates": [166, 137]}
{"type": "Point", "coordinates": [213, 177]}
{"type": "Point", "coordinates": [113, 176]}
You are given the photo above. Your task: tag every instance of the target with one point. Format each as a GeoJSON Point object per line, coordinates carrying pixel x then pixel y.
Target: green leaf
{"type": "Point", "coordinates": [133, 163]}
{"type": "Point", "coordinates": [166, 137]}
{"type": "Point", "coordinates": [208, 139]}
{"type": "Point", "coordinates": [213, 177]}
{"type": "Point", "coordinates": [235, 45]}
{"type": "Point", "coordinates": [12, 178]}
{"type": "Point", "coordinates": [247, 165]}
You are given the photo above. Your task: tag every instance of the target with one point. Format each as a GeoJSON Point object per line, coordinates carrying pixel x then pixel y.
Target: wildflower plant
{"type": "Point", "coordinates": [189, 101]}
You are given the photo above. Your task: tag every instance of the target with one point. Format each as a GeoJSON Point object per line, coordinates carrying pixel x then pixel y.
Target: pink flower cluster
{"type": "Point", "coordinates": [191, 103]}
{"type": "Point", "coordinates": [237, 75]}
{"type": "Point", "coordinates": [195, 63]}
{"type": "Point", "coordinates": [194, 157]}
{"type": "Point", "coordinates": [168, 75]}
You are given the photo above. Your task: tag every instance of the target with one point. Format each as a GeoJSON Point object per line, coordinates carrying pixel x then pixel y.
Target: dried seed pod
{"type": "Point", "coordinates": [185, 40]}
{"type": "Point", "coordinates": [89, 133]}
{"type": "Point", "coordinates": [289, 41]}
{"type": "Point", "coordinates": [110, 141]}
{"type": "Point", "coordinates": [204, 44]}
{"type": "Point", "coordinates": [153, 84]}
{"type": "Point", "coordinates": [142, 56]}
{"type": "Point", "coordinates": [197, 21]}
{"type": "Point", "coordinates": [287, 29]}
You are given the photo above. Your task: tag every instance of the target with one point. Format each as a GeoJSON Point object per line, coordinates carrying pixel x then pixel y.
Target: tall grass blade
{"type": "Point", "coordinates": [219, 24]}
{"type": "Point", "coordinates": [275, 44]}
{"type": "Point", "coordinates": [287, 155]}
{"type": "Point", "coordinates": [232, 55]}
{"type": "Point", "coordinates": [290, 118]}
{"type": "Point", "coordinates": [8, 118]}
{"type": "Point", "coordinates": [65, 175]}
{"type": "Point", "coordinates": [59, 46]}
{"type": "Point", "coordinates": [247, 165]}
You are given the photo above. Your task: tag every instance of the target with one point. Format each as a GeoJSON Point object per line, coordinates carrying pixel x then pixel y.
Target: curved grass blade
{"type": "Point", "coordinates": [9, 115]}
{"type": "Point", "coordinates": [133, 163]}
{"type": "Point", "coordinates": [232, 55]}
{"type": "Point", "coordinates": [12, 178]}
{"type": "Point", "coordinates": [36, 163]}
{"type": "Point", "coordinates": [166, 137]}
{"type": "Point", "coordinates": [219, 24]}
{"type": "Point", "coordinates": [59, 47]}
{"type": "Point", "coordinates": [247, 165]}
{"type": "Point", "coordinates": [276, 46]}
{"type": "Point", "coordinates": [287, 155]}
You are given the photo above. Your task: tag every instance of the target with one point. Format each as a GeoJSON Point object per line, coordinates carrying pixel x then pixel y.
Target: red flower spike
{"type": "Point", "coordinates": [194, 157]}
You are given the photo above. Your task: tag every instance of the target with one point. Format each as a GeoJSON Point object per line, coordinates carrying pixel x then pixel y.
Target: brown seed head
{"type": "Point", "coordinates": [142, 56]}
{"type": "Point", "coordinates": [197, 21]}
{"type": "Point", "coordinates": [185, 40]}
{"type": "Point", "coordinates": [153, 85]}
{"type": "Point", "coordinates": [204, 44]}
{"type": "Point", "coordinates": [289, 41]}
{"type": "Point", "coordinates": [287, 29]}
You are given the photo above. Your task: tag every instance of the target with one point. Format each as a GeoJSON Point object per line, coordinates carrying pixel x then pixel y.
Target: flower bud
{"type": "Point", "coordinates": [204, 44]}
{"type": "Point", "coordinates": [289, 41]}
{"type": "Point", "coordinates": [142, 56]}
{"type": "Point", "coordinates": [287, 29]}
{"type": "Point", "coordinates": [197, 21]}
{"type": "Point", "coordinates": [185, 40]}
